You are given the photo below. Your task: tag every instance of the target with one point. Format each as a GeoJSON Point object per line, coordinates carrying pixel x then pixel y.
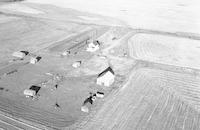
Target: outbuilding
{"type": "Point", "coordinates": [76, 64]}
{"type": "Point", "coordinates": [20, 54]}
{"type": "Point", "coordinates": [65, 53]}
{"type": "Point", "coordinates": [36, 59]}
{"type": "Point", "coordinates": [100, 94]}
{"type": "Point", "coordinates": [93, 46]}
{"type": "Point", "coordinates": [88, 103]}
{"type": "Point", "coordinates": [32, 91]}
{"type": "Point", "coordinates": [106, 78]}
{"type": "Point", "coordinates": [29, 93]}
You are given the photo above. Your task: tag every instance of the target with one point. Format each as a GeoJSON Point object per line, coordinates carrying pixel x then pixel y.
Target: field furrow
{"type": "Point", "coordinates": [151, 104]}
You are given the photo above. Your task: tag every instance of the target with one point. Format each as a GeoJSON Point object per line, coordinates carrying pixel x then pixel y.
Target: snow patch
{"type": "Point", "coordinates": [89, 18]}
{"type": "Point", "coordinates": [5, 19]}
{"type": "Point", "coordinates": [20, 8]}
{"type": "Point", "coordinates": [164, 15]}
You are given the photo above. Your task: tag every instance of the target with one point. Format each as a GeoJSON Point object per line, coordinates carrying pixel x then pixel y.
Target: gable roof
{"type": "Point", "coordinates": [35, 88]}
{"type": "Point", "coordinates": [25, 52]}
{"type": "Point", "coordinates": [38, 58]}
{"type": "Point", "coordinates": [109, 69]}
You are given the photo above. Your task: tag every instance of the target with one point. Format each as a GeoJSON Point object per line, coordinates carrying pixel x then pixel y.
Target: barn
{"type": "Point", "coordinates": [106, 78]}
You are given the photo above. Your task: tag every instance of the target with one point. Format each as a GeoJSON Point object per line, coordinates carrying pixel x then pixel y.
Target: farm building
{"type": "Point", "coordinates": [76, 64]}
{"type": "Point", "coordinates": [106, 78]}
{"type": "Point", "coordinates": [100, 94]}
{"type": "Point", "coordinates": [88, 103]}
{"type": "Point", "coordinates": [34, 60]}
{"type": "Point", "coordinates": [65, 53]}
{"type": "Point", "coordinates": [32, 91]}
{"type": "Point", "coordinates": [20, 54]}
{"type": "Point", "coordinates": [93, 46]}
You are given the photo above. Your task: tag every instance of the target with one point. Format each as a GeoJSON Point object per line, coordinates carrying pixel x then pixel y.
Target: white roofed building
{"type": "Point", "coordinates": [93, 46]}
{"type": "Point", "coordinates": [76, 64]}
{"type": "Point", "coordinates": [106, 78]}
{"type": "Point", "coordinates": [20, 54]}
{"type": "Point", "coordinates": [34, 60]}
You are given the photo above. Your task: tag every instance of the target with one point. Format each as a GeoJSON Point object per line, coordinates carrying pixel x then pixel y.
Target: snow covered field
{"type": "Point", "coordinates": [166, 49]}
{"type": "Point", "coordinates": [159, 93]}
{"type": "Point", "coordinates": [152, 100]}
{"type": "Point", "coordinates": [167, 15]}
{"type": "Point", "coordinates": [20, 8]}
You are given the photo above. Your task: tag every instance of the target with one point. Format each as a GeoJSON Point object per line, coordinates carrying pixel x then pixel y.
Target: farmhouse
{"type": "Point", "coordinates": [106, 78]}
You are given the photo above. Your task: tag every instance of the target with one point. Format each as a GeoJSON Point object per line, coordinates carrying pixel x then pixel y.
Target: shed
{"type": "Point", "coordinates": [29, 93]}
{"type": "Point", "coordinates": [100, 94]}
{"type": "Point", "coordinates": [76, 64]}
{"type": "Point", "coordinates": [65, 53]}
{"type": "Point", "coordinates": [88, 103]}
{"type": "Point", "coordinates": [20, 54]}
{"type": "Point", "coordinates": [34, 60]}
{"type": "Point", "coordinates": [106, 78]}
{"type": "Point", "coordinates": [35, 88]}
{"type": "Point", "coordinates": [93, 46]}
{"type": "Point", "coordinates": [32, 91]}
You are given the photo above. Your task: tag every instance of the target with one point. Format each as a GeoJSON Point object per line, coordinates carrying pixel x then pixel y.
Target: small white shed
{"type": "Point", "coordinates": [100, 94]}
{"type": "Point", "coordinates": [29, 93]}
{"type": "Point", "coordinates": [106, 78]}
{"type": "Point", "coordinates": [32, 91]}
{"type": "Point", "coordinates": [76, 64]}
{"type": "Point", "coordinates": [93, 46]}
{"type": "Point", "coordinates": [65, 53]}
{"type": "Point", "coordinates": [34, 60]}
